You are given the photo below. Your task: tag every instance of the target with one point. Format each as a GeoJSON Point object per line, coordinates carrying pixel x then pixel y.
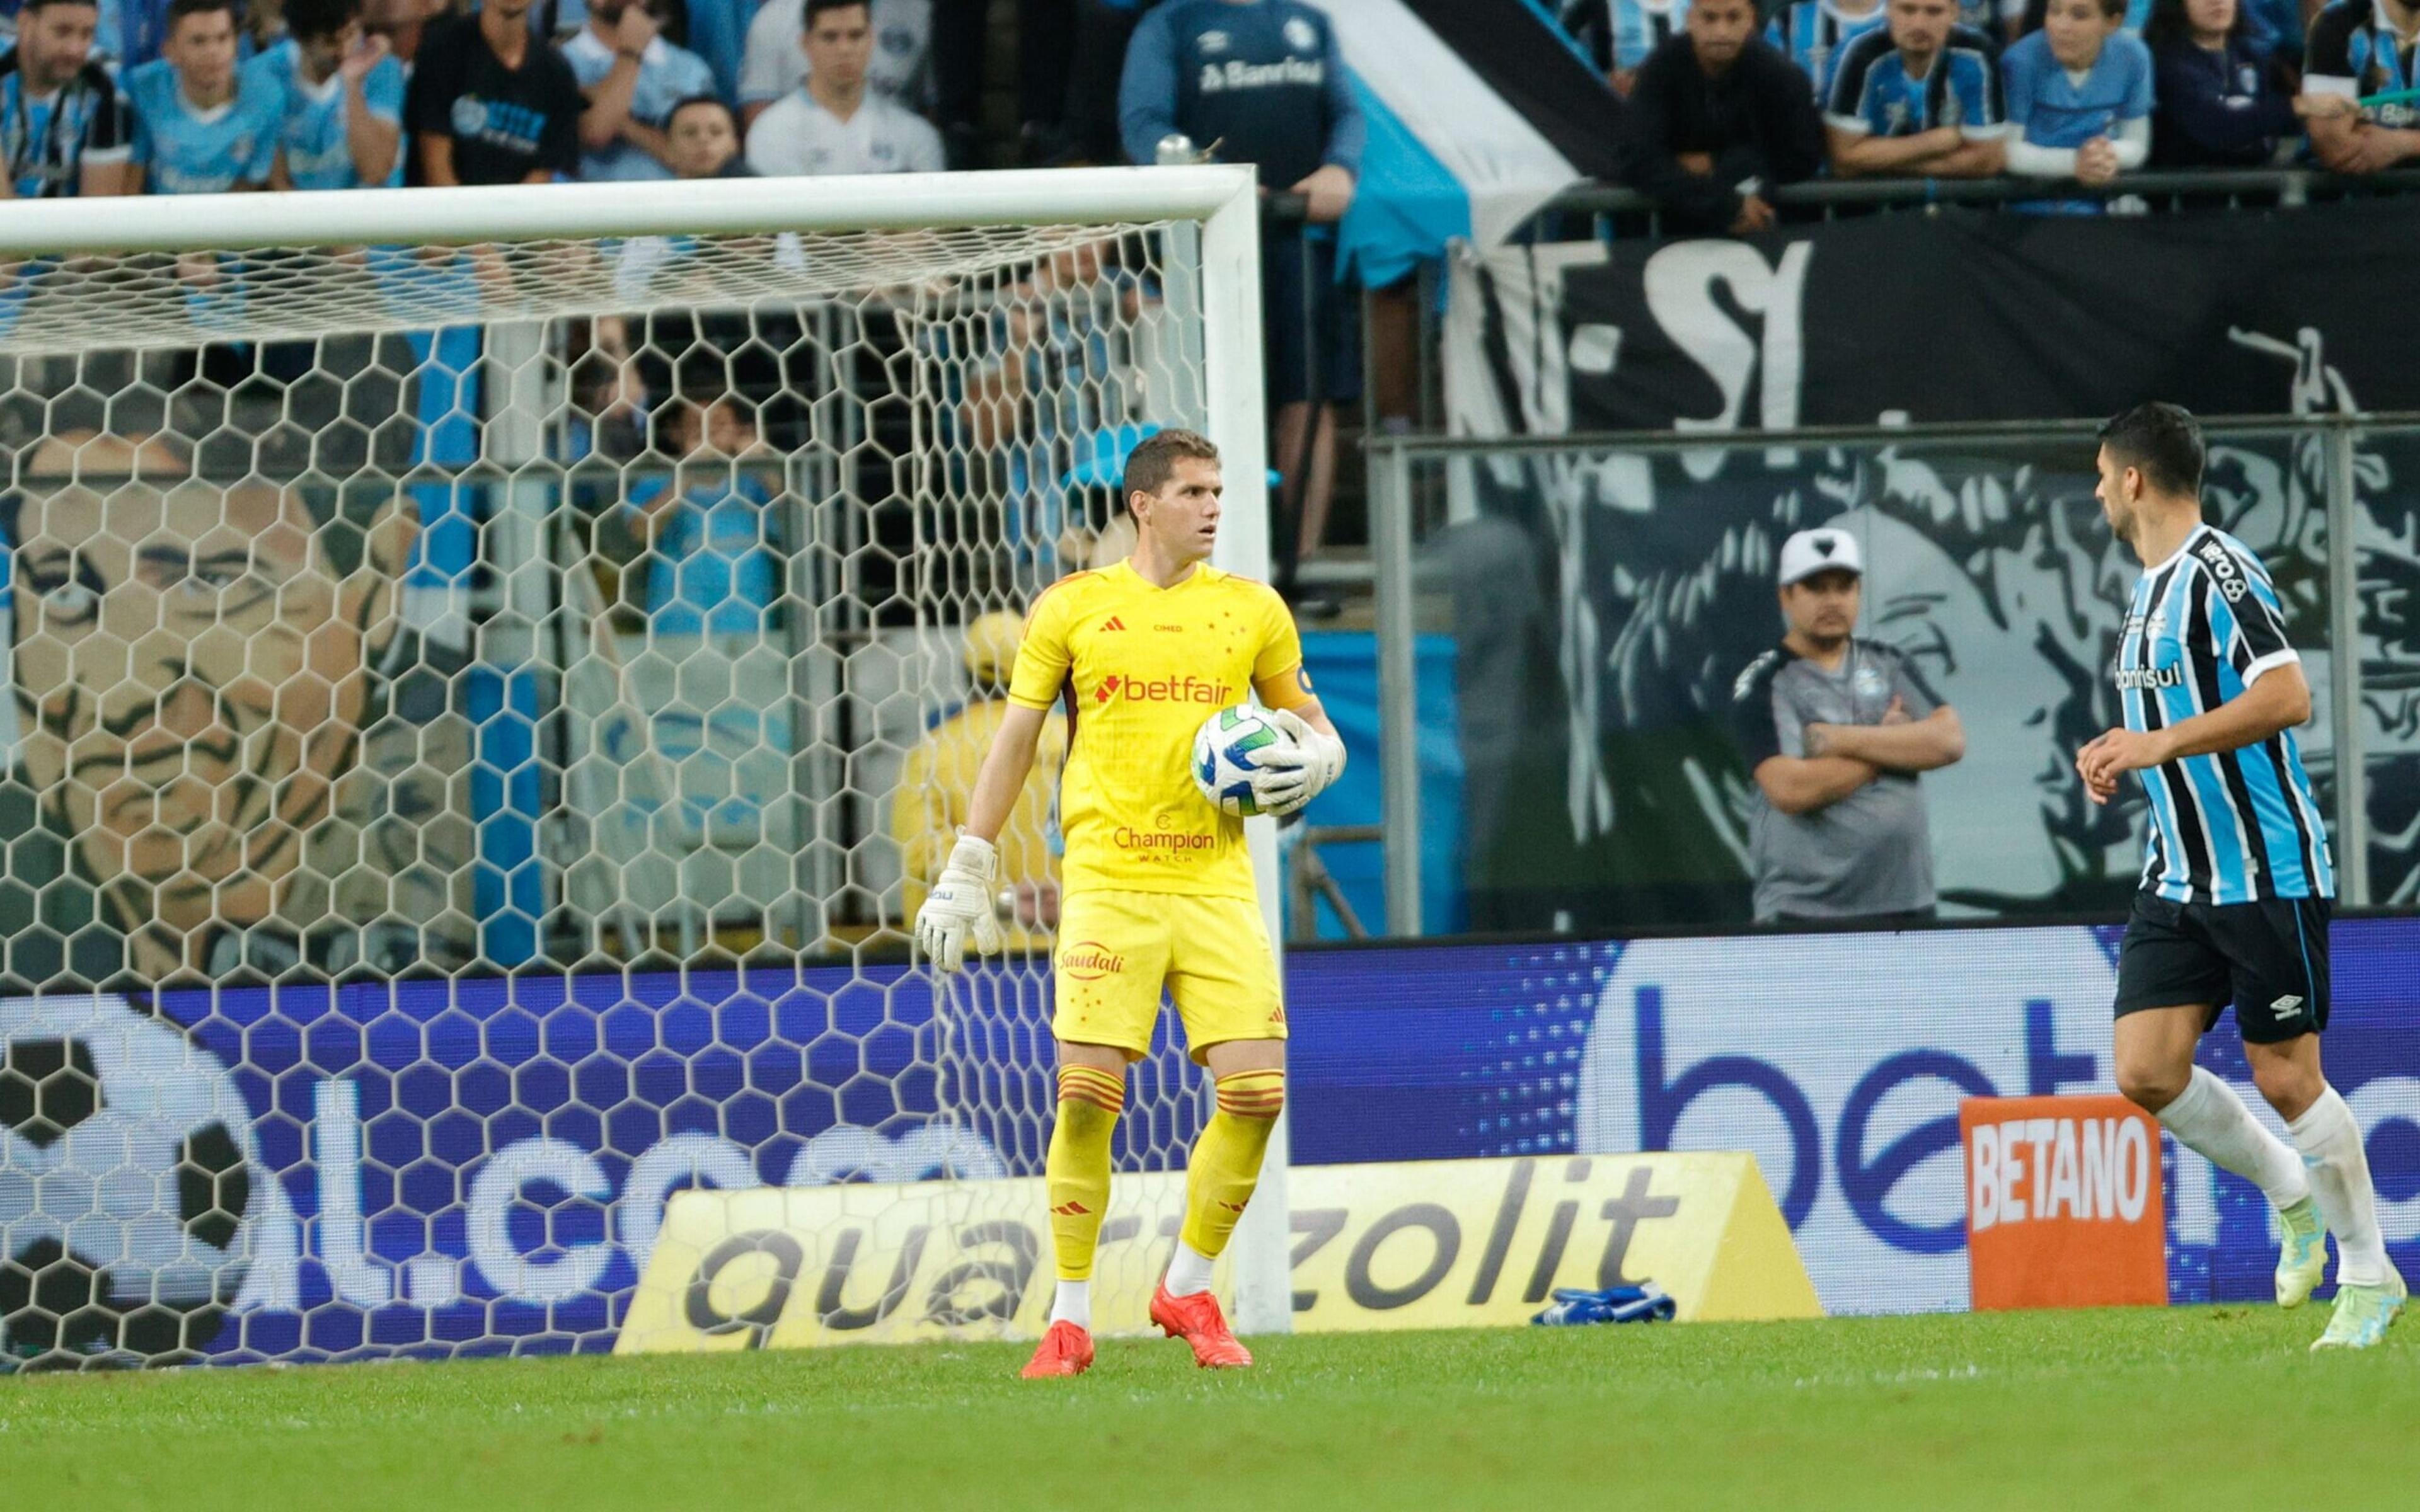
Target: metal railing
{"type": "Point", "coordinates": [2265, 186]}
{"type": "Point", "coordinates": [1399, 576]}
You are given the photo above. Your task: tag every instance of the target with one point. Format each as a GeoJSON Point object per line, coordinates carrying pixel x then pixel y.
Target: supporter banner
{"type": "Point", "coordinates": [434, 1168]}
{"type": "Point", "coordinates": [1964, 314]}
{"type": "Point", "coordinates": [1428, 1244]}
{"type": "Point", "coordinates": [1643, 586]}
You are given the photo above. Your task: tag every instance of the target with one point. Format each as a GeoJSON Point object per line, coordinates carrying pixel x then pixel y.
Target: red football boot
{"type": "Point", "coordinates": [1198, 1321]}
{"type": "Point", "coordinates": [1066, 1349]}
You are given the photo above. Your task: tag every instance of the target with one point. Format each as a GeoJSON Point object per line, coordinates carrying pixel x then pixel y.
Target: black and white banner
{"type": "Point", "coordinates": [1610, 794]}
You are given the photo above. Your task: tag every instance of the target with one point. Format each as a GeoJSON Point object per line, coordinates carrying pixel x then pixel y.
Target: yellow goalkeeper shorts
{"type": "Point", "coordinates": [1118, 949]}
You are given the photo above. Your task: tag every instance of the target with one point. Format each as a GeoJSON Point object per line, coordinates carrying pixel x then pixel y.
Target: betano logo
{"type": "Point", "coordinates": [2035, 1169]}
{"type": "Point", "coordinates": [1087, 961]}
{"type": "Point", "coordinates": [1186, 689]}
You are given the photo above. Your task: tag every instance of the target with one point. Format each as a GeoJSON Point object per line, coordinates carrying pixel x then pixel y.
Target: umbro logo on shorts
{"type": "Point", "coordinates": [2286, 1006]}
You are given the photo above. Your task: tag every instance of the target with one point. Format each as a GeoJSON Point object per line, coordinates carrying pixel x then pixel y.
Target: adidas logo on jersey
{"type": "Point", "coordinates": [1113, 623]}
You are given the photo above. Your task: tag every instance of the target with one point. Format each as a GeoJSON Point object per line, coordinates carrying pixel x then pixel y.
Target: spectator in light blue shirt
{"type": "Point", "coordinates": [342, 121]}
{"type": "Point", "coordinates": [712, 571]}
{"type": "Point", "coordinates": [2079, 94]}
{"type": "Point", "coordinates": [197, 131]}
{"type": "Point", "coordinates": [633, 78]}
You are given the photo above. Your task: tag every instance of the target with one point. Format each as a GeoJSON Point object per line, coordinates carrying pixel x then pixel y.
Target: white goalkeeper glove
{"type": "Point", "coordinates": [1291, 777]}
{"type": "Point", "coordinates": [962, 903]}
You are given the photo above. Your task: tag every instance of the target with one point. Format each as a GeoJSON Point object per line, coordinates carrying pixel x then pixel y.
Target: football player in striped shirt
{"type": "Point", "coordinates": [2237, 881]}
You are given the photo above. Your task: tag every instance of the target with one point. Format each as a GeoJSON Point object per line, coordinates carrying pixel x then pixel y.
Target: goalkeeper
{"type": "Point", "coordinates": [1158, 885]}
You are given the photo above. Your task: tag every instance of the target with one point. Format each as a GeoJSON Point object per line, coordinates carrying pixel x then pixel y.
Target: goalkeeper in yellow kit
{"type": "Point", "coordinates": [1158, 888]}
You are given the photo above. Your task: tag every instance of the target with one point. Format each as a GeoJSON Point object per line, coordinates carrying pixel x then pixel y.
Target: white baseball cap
{"type": "Point", "coordinates": [1809, 553]}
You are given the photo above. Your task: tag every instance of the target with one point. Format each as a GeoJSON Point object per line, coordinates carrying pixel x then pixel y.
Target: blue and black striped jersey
{"type": "Point", "coordinates": [48, 139]}
{"type": "Point", "coordinates": [2237, 825]}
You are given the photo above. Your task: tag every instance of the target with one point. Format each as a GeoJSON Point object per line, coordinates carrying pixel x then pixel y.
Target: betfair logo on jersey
{"type": "Point", "coordinates": [1237, 74]}
{"type": "Point", "coordinates": [1088, 960]}
{"type": "Point", "coordinates": [1186, 689]}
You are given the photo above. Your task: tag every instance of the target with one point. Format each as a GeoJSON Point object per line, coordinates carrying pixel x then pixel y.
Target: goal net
{"type": "Point", "coordinates": [493, 671]}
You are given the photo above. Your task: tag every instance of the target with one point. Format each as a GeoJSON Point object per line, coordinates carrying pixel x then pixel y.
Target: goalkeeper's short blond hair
{"type": "Point", "coordinates": [1153, 460]}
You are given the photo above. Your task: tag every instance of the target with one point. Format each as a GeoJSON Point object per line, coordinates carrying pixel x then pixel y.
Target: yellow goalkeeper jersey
{"type": "Point", "coordinates": [1140, 669]}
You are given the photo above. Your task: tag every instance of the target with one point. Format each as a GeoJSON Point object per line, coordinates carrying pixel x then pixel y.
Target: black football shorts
{"type": "Point", "coordinates": [2268, 958]}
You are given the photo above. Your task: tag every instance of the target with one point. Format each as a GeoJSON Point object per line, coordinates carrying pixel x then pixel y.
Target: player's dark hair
{"type": "Point", "coordinates": [309, 20]}
{"type": "Point", "coordinates": [2169, 22]}
{"type": "Point", "coordinates": [30, 6]}
{"type": "Point", "coordinates": [1153, 462]}
{"type": "Point", "coordinates": [817, 8]}
{"type": "Point", "coordinates": [180, 9]}
{"type": "Point", "coordinates": [695, 100]}
{"type": "Point", "coordinates": [2161, 440]}
{"type": "Point", "coordinates": [2117, 8]}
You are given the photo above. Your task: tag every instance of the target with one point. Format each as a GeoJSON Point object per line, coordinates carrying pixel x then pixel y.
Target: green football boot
{"type": "Point", "coordinates": [2362, 1314]}
{"type": "Point", "coordinates": [2302, 1256]}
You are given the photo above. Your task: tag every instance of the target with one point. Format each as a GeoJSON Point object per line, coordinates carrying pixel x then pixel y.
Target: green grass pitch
{"type": "Point", "coordinates": [2190, 1408]}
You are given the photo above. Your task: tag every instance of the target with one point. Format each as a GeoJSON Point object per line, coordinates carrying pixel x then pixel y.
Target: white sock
{"type": "Point", "coordinates": [2330, 1141]}
{"type": "Point", "coordinates": [1074, 1305]}
{"type": "Point", "coordinates": [1188, 1270]}
{"type": "Point", "coordinates": [2211, 1121]}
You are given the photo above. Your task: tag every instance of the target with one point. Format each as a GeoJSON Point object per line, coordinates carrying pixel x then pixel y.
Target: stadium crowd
{"type": "Point", "coordinates": [1723, 98]}
{"type": "Point", "coordinates": [197, 96]}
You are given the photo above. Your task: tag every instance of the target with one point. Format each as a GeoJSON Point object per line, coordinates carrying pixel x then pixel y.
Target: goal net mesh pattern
{"type": "Point", "coordinates": [481, 716]}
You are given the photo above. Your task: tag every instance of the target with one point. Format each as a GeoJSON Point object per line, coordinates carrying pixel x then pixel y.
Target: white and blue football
{"type": "Point", "coordinates": [1226, 750]}
{"type": "Point", "coordinates": [130, 1186]}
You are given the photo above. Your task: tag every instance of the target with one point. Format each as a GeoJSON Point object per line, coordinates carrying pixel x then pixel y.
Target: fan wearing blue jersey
{"type": "Point", "coordinates": [1919, 98]}
{"type": "Point", "coordinates": [63, 125]}
{"type": "Point", "coordinates": [2361, 47]}
{"type": "Point", "coordinates": [1816, 32]}
{"type": "Point", "coordinates": [197, 131]}
{"type": "Point", "coordinates": [2079, 94]}
{"type": "Point", "coordinates": [633, 78]}
{"type": "Point", "coordinates": [2236, 881]}
{"type": "Point", "coordinates": [1265, 82]}
{"type": "Point", "coordinates": [342, 125]}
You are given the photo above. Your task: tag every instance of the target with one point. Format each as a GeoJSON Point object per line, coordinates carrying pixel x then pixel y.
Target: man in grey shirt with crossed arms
{"type": "Point", "coordinates": [1834, 729]}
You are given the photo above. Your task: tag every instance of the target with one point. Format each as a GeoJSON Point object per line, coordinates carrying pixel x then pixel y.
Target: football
{"type": "Point", "coordinates": [1226, 750]}
{"type": "Point", "coordinates": [128, 1186]}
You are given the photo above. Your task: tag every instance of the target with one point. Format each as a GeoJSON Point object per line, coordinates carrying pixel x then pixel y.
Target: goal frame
{"type": "Point", "coordinates": [1223, 200]}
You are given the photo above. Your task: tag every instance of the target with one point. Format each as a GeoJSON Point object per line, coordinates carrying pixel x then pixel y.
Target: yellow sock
{"type": "Point", "coordinates": [1078, 1166]}
{"type": "Point", "coordinates": [1226, 1163]}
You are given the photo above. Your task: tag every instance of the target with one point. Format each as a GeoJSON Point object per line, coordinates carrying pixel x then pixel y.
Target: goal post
{"type": "Point", "coordinates": [413, 599]}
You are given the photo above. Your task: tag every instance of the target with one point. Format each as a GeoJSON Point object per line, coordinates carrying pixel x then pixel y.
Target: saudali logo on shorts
{"type": "Point", "coordinates": [1186, 689]}
{"type": "Point", "coordinates": [1088, 960]}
